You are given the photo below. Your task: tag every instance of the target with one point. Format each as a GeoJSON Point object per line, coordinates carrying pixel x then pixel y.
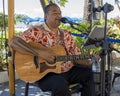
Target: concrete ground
{"type": "Point", "coordinates": [34, 91]}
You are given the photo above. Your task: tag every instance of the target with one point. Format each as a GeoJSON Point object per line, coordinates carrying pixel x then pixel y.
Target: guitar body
{"type": "Point", "coordinates": [26, 69]}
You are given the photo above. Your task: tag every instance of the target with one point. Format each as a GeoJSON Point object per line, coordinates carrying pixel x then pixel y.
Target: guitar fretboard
{"type": "Point", "coordinates": [71, 57]}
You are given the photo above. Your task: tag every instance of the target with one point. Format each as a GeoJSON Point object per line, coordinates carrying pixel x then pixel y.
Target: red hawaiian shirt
{"type": "Point", "coordinates": [43, 35]}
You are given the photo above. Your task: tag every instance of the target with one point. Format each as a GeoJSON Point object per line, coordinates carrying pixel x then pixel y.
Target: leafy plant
{"type": "Point", "coordinates": [3, 21]}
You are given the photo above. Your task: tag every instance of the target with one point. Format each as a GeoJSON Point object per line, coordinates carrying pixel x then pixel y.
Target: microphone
{"type": "Point", "coordinates": [65, 20]}
{"type": "Point", "coordinates": [106, 8]}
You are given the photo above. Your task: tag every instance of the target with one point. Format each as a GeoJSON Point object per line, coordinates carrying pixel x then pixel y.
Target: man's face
{"type": "Point", "coordinates": [53, 16]}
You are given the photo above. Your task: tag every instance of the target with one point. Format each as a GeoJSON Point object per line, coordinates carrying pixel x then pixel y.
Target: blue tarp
{"type": "Point", "coordinates": [111, 40]}
{"type": "Point", "coordinates": [74, 19]}
{"type": "Point", "coordinates": [39, 19]}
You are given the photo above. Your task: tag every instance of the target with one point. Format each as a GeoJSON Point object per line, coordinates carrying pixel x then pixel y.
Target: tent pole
{"type": "Point", "coordinates": [10, 36]}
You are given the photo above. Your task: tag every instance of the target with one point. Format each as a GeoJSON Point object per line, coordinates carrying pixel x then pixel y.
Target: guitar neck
{"type": "Point", "coordinates": [71, 57]}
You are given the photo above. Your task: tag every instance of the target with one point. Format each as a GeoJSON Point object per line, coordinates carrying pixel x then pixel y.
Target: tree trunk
{"type": "Point", "coordinates": [87, 18]}
{"type": "Point", "coordinates": [98, 15]}
{"type": "Point", "coordinates": [43, 3]}
{"type": "Point", "coordinates": [88, 11]}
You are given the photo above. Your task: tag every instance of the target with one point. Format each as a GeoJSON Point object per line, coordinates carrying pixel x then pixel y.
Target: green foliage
{"type": "Point", "coordinates": [111, 22]}
{"type": "Point", "coordinates": [98, 22]}
{"type": "Point", "coordinates": [113, 33]}
{"type": "Point", "coordinates": [62, 2]}
{"type": "Point", "coordinates": [3, 36]}
{"type": "Point", "coordinates": [3, 21]}
{"type": "Point", "coordinates": [80, 29]}
{"type": "Point", "coordinates": [3, 46]}
{"type": "Point", "coordinates": [4, 33]}
{"type": "Point", "coordinates": [20, 18]}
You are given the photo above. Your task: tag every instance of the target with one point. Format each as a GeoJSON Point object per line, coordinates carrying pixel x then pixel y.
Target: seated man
{"type": "Point", "coordinates": [48, 35]}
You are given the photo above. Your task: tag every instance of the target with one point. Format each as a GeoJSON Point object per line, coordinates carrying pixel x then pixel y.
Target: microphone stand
{"type": "Point", "coordinates": [74, 27]}
{"type": "Point", "coordinates": [105, 56]}
{"type": "Point", "coordinates": [114, 49]}
{"type": "Point", "coordinates": [105, 60]}
{"type": "Point", "coordinates": [84, 34]}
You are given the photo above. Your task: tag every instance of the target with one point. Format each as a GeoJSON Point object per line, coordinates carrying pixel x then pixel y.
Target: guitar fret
{"type": "Point", "coordinates": [81, 56]}
{"type": "Point", "coordinates": [77, 57]}
{"type": "Point", "coordinates": [70, 57]}
{"type": "Point", "coordinates": [59, 58]}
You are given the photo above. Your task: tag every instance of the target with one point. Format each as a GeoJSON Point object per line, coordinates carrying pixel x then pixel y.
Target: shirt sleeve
{"type": "Point", "coordinates": [30, 35]}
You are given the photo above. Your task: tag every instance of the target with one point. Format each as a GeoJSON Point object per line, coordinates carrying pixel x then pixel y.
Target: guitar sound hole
{"type": "Point", "coordinates": [44, 67]}
{"type": "Point", "coordinates": [52, 62]}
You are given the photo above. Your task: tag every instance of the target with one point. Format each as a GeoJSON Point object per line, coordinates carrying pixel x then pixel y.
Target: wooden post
{"type": "Point", "coordinates": [10, 36]}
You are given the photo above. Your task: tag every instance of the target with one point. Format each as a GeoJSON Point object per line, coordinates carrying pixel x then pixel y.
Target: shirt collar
{"type": "Point", "coordinates": [47, 28]}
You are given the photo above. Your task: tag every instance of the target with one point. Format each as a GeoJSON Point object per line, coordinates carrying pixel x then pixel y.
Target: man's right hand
{"type": "Point", "coordinates": [48, 55]}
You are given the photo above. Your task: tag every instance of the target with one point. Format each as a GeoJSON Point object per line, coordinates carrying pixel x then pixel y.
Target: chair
{"type": "Point", "coordinates": [74, 88]}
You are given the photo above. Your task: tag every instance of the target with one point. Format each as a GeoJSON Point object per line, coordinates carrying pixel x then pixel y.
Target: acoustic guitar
{"type": "Point", "coordinates": [30, 68]}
